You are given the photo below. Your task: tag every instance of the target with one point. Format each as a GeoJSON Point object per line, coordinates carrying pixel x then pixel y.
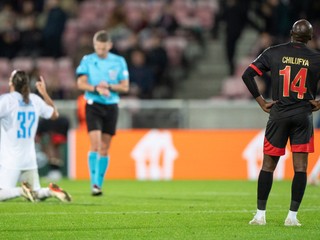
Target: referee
{"type": "Point", "coordinates": [102, 75]}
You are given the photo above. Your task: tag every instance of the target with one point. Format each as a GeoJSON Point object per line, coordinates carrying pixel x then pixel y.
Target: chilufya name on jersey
{"type": "Point", "coordinates": [294, 60]}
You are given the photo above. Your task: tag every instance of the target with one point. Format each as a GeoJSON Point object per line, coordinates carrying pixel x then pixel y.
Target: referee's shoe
{"type": "Point", "coordinates": [96, 191]}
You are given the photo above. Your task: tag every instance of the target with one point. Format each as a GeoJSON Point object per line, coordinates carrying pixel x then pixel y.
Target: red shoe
{"type": "Point", "coordinates": [59, 193]}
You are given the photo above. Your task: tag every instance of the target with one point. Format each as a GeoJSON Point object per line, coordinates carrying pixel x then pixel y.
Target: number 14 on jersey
{"type": "Point", "coordinates": [298, 84]}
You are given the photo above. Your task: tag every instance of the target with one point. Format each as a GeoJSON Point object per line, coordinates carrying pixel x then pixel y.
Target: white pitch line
{"type": "Point", "coordinates": [147, 212]}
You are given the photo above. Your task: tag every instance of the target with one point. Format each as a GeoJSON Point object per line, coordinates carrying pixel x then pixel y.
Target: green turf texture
{"type": "Point", "coordinates": [160, 210]}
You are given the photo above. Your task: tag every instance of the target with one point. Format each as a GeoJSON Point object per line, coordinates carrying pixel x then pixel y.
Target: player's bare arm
{"type": "Point", "coordinates": [41, 87]}
{"type": "Point", "coordinates": [265, 106]}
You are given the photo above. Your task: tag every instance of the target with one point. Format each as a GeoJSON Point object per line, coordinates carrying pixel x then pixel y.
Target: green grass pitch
{"type": "Point", "coordinates": [160, 210]}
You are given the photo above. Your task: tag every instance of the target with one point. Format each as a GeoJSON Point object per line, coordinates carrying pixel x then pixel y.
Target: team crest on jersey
{"type": "Point", "coordinates": [113, 74]}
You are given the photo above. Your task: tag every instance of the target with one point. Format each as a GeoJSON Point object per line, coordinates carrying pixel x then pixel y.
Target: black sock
{"type": "Point", "coordinates": [298, 187]}
{"type": "Point", "coordinates": [264, 186]}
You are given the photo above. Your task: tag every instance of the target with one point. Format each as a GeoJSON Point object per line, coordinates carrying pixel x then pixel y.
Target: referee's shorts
{"type": "Point", "coordinates": [102, 117]}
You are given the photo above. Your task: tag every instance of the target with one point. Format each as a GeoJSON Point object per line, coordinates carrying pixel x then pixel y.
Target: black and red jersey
{"type": "Point", "coordinates": [295, 72]}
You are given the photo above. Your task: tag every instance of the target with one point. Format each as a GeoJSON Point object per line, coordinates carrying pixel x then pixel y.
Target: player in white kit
{"type": "Point", "coordinates": [19, 114]}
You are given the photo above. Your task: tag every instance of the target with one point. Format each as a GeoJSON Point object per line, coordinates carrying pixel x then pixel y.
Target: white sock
{"type": "Point", "coordinates": [43, 193]}
{"type": "Point", "coordinates": [292, 214]}
{"type": "Point", "coordinates": [260, 213]}
{"type": "Point", "coordinates": [10, 193]}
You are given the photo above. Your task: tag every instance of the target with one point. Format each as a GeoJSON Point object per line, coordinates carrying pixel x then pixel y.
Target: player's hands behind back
{"type": "Point", "coordinates": [265, 106]}
{"type": "Point", "coordinates": [315, 104]}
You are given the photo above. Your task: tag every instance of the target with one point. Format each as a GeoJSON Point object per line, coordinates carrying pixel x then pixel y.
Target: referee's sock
{"type": "Point", "coordinates": [93, 158]}
{"type": "Point", "coordinates": [103, 164]}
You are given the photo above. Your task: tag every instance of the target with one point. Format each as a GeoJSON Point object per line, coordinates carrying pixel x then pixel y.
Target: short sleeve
{"type": "Point", "coordinates": [124, 73]}
{"type": "Point", "coordinates": [82, 69]}
{"type": "Point", "coordinates": [262, 62]}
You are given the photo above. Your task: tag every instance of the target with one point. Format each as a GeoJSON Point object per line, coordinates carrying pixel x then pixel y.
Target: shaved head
{"type": "Point", "coordinates": [301, 31]}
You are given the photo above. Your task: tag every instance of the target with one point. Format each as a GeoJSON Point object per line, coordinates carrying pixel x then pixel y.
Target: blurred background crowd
{"type": "Point", "coordinates": [163, 41]}
{"type": "Point", "coordinates": [175, 49]}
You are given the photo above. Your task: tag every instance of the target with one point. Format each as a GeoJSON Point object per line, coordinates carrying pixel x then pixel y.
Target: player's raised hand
{"type": "Point", "coordinates": [41, 86]}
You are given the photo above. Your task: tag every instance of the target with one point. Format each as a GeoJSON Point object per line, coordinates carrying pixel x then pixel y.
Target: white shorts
{"type": "Point", "coordinates": [10, 177]}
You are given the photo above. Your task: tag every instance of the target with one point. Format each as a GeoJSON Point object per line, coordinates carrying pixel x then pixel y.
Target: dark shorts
{"type": "Point", "coordinates": [102, 117]}
{"type": "Point", "coordinates": [298, 128]}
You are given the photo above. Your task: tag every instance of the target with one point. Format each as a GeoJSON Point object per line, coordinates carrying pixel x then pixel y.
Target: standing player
{"type": "Point", "coordinates": [102, 75]}
{"type": "Point", "coordinates": [295, 73]}
{"type": "Point", "coordinates": [19, 113]}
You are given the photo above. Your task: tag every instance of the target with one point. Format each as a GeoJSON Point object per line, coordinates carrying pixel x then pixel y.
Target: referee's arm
{"type": "Point", "coordinates": [122, 87]}
{"type": "Point", "coordinates": [82, 83]}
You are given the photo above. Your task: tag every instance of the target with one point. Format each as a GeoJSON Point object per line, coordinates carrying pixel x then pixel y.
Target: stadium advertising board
{"type": "Point", "coordinates": [154, 154]}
